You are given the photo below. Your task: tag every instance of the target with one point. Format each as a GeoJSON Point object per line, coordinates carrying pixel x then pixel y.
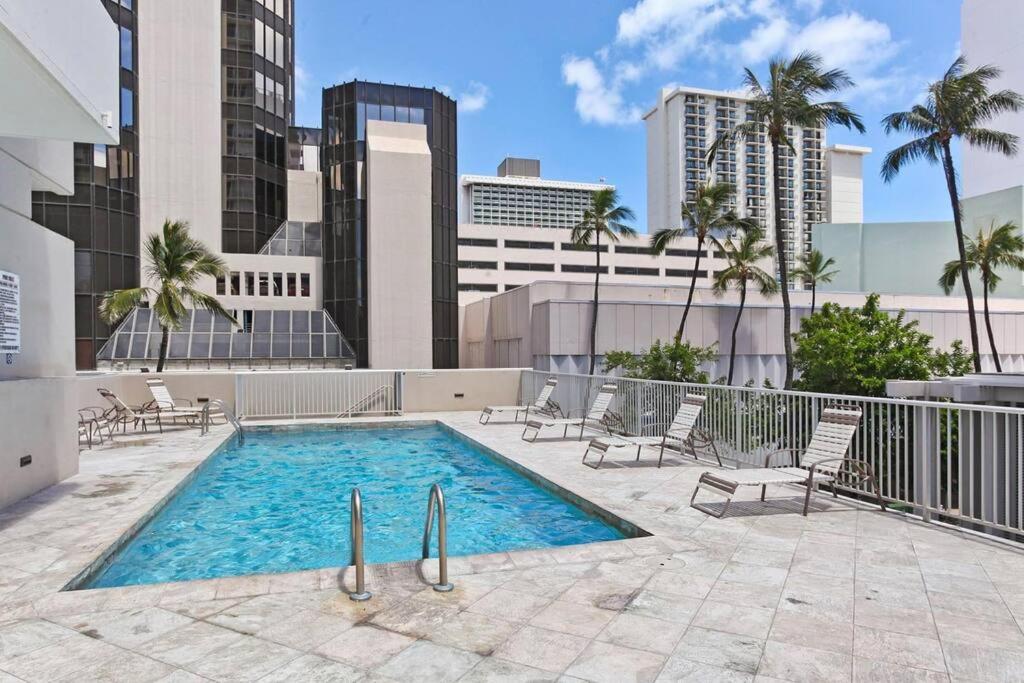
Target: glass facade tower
{"type": "Point", "coordinates": [257, 77]}
{"type": "Point", "coordinates": [346, 108]}
{"type": "Point", "coordinates": [102, 217]}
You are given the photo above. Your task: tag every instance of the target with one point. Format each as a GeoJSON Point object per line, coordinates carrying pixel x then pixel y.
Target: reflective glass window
{"type": "Point", "coordinates": [127, 108]}
{"type": "Point", "coordinates": [127, 61]}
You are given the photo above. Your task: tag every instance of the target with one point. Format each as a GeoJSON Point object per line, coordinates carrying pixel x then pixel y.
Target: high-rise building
{"type": "Point", "coordinates": [102, 216]}
{"type": "Point", "coordinates": [518, 196]}
{"type": "Point", "coordinates": [347, 110]}
{"type": "Point", "coordinates": [680, 129]}
{"type": "Point", "coordinates": [990, 34]}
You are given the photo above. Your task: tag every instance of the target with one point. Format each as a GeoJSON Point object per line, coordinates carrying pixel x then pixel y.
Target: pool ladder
{"type": "Point", "coordinates": [436, 499]}
{"type": "Point", "coordinates": [228, 415]}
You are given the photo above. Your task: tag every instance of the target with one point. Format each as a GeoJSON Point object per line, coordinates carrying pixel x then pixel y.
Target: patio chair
{"type": "Point", "coordinates": [822, 461]}
{"type": "Point", "coordinates": [598, 417]}
{"type": "Point", "coordinates": [92, 420]}
{"type": "Point", "coordinates": [168, 405]}
{"type": "Point", "coordinates": [543, 405]}
{"type": "Point", "coordinates": [124, 414]}
{"type": "Point", "coordinates": [682, 431]}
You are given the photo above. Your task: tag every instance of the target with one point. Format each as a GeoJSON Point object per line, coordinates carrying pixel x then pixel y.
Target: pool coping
{"type": "Point", "coordinates": [80, 580]}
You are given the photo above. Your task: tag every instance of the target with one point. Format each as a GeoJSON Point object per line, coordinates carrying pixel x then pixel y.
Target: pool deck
{"type": "Point", "coordinates": [847, 593]}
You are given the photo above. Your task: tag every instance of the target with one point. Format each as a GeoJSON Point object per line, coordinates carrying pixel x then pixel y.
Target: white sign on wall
{"type": "Point", "coordinates": [10, 313]}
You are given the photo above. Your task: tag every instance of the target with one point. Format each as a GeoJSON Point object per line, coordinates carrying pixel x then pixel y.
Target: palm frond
{"type": "Point", "coordinates": [927, 148]}
{"type": "Point", "coordinates": [117, 304]}
{"type": "Point", "coordinates": [950, 276]}
{"type": "Point", "coordinates": [992, 140]}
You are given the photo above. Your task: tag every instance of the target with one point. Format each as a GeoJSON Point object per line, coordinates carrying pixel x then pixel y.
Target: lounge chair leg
{"type": "Point", "coordinates": [638, 447]}
{"type": "Point", "coordinates": [661, 454]}
{"type": "Point", "coordinates": [159, 424]}
{"type": "Point", "coordinates": [763, 487]}
{"type": "Point", "coordinates": [723, 488]}
{"type": "Point", "coordinates": [878, 492]}
{"type": "Point", "coordinates": [810, 490]}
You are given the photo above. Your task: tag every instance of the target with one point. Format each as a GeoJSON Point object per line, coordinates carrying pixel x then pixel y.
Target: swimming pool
{"type": "Point", "coordinates": [280, 503]}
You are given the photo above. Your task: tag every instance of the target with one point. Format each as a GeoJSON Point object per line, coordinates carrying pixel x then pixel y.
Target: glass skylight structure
{"type": "Point", "coordinates": [264, 339]}
{"type": "Point", "coordinates": [295, 238]}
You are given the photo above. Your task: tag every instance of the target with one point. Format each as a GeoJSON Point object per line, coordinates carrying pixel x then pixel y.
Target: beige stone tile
{"type": "Point", "coordinates": [244, 660]}
{"type": "Point", "coordinates": [254, 614]}
{"type": "Point", "coordinates": [540, 648]}
{"type": "Point", "coordinates": [744, 621]}
{"type": "Point", "coordinates": [413, 618]}
{"type": "Point", "coordinates": [364, 647]}
{"type": "Point", "coordinates": [607, 663]}
{"type": "Point", "coordinates": [745, 594]}
{"type": "Point", "coordinates": [305, 630]}
{"type": "Point", "coordinates": [673, 608]}
{"type": "Point", "coordinates": [981, 633]}
{"type": "Point", "coordinates": [189, 644]}
{"type": "Point", "coordinates": [797, 663]}
{"type": "Point", "coordinates": [428, 661]}
{"type": "Point", "coordinates": [972, 663]}
{"type": "Point", "coordinates": [313, 669]}
{"type": "Point", "coordinates": [602, 593]}
{"type": "Point", "coordinates": [643, 633]}
{"type": "Point", "coordinates": [878, 615]}
{"type": "Point", "coordinates": [61, 659]}
{"type": "Point", "coordinates": [795, 628]}
{"type": "Point", "coordinates": [493, 670]}
{"type": "Point", "coordinates": [572, 618]}
{"type": "Point", "coordinates": [127, 628]}
{"type": "Point", "coordinates": [122, 666]}
{"type": "Point", "coordinates": [898, 648]}
{"type": "Point", "coordinates": [681, 670]}
{"type": "Point", "coordinates": [725, 650]}
{"type": "Point", "coordinates": [22, 637]}
{"type": "Point", "coordinates": [680, 583]}
{"type": "Point", "coordinates": [509, 605]}
{"type": "Point", "coordinates": [873, 671]}
{"type": "Point", "coordinates": [473, 632]}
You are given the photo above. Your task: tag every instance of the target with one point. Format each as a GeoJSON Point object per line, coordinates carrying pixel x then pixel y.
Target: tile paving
{"type": "Point", "coordinates": [847, 593]}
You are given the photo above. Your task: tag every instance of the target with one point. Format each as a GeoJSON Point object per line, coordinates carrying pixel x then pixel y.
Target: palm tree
{"type": "Point", "coordinates": [706, 217]}
{"type": "Point", "coordinates": [607, 218]}
{"type": "Point", "coordinates": [790, 98]}
{"type": "Point", "coordinates": [174, 264]}
{"type": "Point", "coordinates": [815, 268]}
{"type": "Point", "coordinates": [957, 106]}
{"type": "Point", "coordinates": [743, 257]}
{"type": "Point", "coordinates": [1000, 247]}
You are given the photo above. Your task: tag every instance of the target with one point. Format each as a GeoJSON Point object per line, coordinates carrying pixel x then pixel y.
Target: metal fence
{"type": "Point", "coordinates": [317, 393]}
{"type": "Point", "coordinates": [955, 462]}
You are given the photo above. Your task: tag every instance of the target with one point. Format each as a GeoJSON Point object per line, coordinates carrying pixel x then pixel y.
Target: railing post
{"type": "Point", "coordinates": [356, 534]}
{"type": "Point", "coordinates": [925, 448]}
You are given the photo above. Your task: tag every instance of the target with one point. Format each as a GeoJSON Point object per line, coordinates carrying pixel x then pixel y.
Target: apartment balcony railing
{"type": "Point", "coordinates": [947, 462]}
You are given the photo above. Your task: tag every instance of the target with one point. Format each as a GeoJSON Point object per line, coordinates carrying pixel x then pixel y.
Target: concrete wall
{"type": "Point", "coordinates": [845, 173]}
{"type": "Point", "coordinates": [179, 116]}
{"type": "Point", "coordinates": [305, 196]}
{"type": "Point", "coordinates": [398, 251]}
{"type": "Point", "coordinates": [439, 390]}
{"type": "Point", "coordinates": [990, 34]}
{"type": "Point", "coordinates": [132, 389]}
{"type": "Point", "coordinates": [264, 263]}
{"type": "Point", "coordinates": [907, 258]}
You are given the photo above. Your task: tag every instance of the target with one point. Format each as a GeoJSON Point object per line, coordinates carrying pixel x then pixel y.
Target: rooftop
{"type": "Point", "coordinates": [845, 593]}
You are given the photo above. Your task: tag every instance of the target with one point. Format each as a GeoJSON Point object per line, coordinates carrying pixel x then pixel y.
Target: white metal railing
{"type": "Point", "coordinates": [317, 393]}
{"type": "Point", "coordinates": [952, 462]}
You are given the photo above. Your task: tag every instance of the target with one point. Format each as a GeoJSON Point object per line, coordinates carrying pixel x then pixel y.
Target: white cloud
{"type": "Point", "coordinates": [597, 101]}
{"type": "Point", "coordinates": [301, 79]}
{"type": "Point", "coordinates": [474, 97]}
{"type": "Point", "coordinates": [669, 30]}
{"type": "Point", "coordinates": [765, 40]}
{"type": "Point", "coordinates": [809, 6]}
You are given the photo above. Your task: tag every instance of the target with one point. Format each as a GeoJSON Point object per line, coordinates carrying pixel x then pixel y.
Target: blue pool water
{"type": "Point", "coordinates": [280, 502]}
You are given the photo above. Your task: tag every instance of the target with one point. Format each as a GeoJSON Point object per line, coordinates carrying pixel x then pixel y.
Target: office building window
{"type": "Point", "coordinates": [543, 267]}
{"type": "Point", "coordinates": [127, 62]}
{"type": "Point", "coordinates": [238, 193]}
{"type": "Point", "coordinates": [238, 84]}
{"type": "Point", "coordinates": [304, 284]}
{"type": "Point", "coordinates": [570, 246]}
{"type": "Point", "coordinates": [127, 108]}
{"type": "Point", "coordinates": [680, 272]}
{"type": "Point", "coordinates": [528, 244]}
{"type": "Point", "coordinates": [633, 270]}
{"type": "Point", "coordinates": [479, 265]}
{"type": "Point", "coordinates": [572, 268]}
{"type": "Point", "coordinates": [472, 287]}
{"type": "Point", "coordinates": [476, 242]}
{"type": "Point", "coordinates": [625, 249]}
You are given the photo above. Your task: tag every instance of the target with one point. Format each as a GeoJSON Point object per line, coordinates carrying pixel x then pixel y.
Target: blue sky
{"type": "Point", "coordinates": [564, 80]}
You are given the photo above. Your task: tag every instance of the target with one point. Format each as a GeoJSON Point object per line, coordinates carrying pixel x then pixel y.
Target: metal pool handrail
{"type": "Point", "coordinates": [356, 531]}
{"type": "Point", "coordinates": [437, 498]}
{"type": "Point", "coordinates": [228, 415]}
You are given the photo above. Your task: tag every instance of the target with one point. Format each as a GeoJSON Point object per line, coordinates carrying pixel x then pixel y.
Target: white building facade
{"type": "Point", "coordinates": [519, 197]}
{"type": "Point", "coordinates": [685, 122]}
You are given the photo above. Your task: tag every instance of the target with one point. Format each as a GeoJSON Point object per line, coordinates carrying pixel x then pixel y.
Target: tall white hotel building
{"type": "Point", "coordinates": [821, 184]}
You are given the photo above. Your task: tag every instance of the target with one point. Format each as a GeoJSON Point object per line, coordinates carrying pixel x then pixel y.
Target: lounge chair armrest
{"type": "Point", "coordinates": [701, 436]}
{"type": "Point", "coordinates": [186, 401]}
{"type": "Point", "coordinates": [152, 406]}
{"type": "Point", "coordinates": [793, 460]}
{"type": "Point", "coordinates": [857, 467]}
{"type": "Point", "coordinates": [611, 419]}
{"type": "Point", "coordinates": [554, 408]}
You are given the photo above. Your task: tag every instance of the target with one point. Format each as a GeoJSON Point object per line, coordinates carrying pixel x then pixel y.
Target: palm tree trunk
{"type": "Point", "coordinates": [593, 320]}
{"type": "Point", "coordinates": [947, 165]}
{"type": "Point", "coordinates": [735, 327]}
{"type": "Point", "coordinates": [693, 285]}
{"type": "Point", "coordinates": [780, 254]}
{"type": "Point", "coordinates": [164, 338]}
{"type": "Point", "coordinates": [814, 294]}
{"type": "Point", "coordinates": [988, 324]}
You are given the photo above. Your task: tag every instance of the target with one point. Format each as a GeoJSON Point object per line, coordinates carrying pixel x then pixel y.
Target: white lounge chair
{"type": "Point", "coordinates": [682, 431]}
{"type": "Point", "coordinates": [123, 413]}
{"type": "Point", "coordinates": [168, 405]}
{"type": "Point", "coordinates": [543, 405]}
{"type": "Point", "coordinates": [598, 417]}
{"type": "Point", "coordinates": [823, 460]}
